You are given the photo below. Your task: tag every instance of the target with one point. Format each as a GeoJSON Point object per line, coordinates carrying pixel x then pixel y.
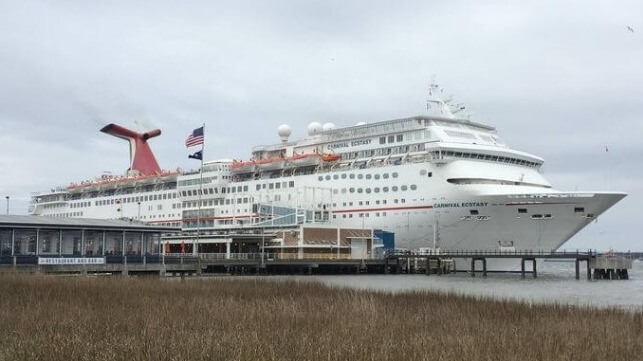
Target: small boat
{"type": "Point", "coordinates": [270, 163]}
{"type": "Point", "coordinates": [242, 167]}
{"type": "Point", "coordinates": [304, 160]}
{"type": "Point", "coordinates": [331, 157]}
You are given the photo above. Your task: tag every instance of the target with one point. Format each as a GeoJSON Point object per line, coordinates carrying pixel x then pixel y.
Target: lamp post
{"type": "Point", "coordinates": [263, 242]}
{"type": "Point", "coordinates": [7, 197]}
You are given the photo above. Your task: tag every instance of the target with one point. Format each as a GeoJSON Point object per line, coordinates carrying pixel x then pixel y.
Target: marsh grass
{"type": "Point", "coordinates": [75, 318]}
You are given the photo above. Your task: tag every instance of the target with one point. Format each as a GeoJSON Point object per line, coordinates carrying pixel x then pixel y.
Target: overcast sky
{"type": "Point", "coordinates": [562, 80]}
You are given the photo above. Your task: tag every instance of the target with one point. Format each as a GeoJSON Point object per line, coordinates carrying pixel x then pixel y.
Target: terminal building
{"type": "Point", "coordinates": [80, 237]}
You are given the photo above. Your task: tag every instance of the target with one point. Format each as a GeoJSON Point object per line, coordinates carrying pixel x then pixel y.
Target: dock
{"type": "Point", "coordinates": [400, 262]}
{"type": "Point", "coordinates": [603, 266]}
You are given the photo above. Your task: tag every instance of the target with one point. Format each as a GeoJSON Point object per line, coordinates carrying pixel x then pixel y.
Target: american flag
{"type": "Point", "coordinates": [195, 138]}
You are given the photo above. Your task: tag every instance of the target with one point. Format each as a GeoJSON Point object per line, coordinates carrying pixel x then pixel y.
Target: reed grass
{"type": "Point", "coordinates": [105, 318]}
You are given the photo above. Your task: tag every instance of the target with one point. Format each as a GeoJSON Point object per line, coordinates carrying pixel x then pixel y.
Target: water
{"type": "Point", "coordinates": [556, 283]}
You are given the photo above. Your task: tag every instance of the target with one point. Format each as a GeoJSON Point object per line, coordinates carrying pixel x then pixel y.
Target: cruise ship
{"type": "Point", "coordinates": [438, 181]}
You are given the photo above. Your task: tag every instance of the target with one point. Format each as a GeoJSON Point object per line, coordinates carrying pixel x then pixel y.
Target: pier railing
{"type": "Point", "coordinates": [571, 254]}
{"type": "Point", "coordinates": [273, 256]}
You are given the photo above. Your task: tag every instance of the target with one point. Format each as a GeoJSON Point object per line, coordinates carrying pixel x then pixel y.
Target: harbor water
{"type": "Point", "coordinates": [555, 284]}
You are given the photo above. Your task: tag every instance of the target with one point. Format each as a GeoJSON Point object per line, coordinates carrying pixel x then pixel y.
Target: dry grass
{"type": "Point", "coordinates": [53, 318]}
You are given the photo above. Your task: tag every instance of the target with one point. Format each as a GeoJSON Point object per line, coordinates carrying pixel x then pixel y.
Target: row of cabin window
{"type": "Point", "coordinates": [376, 189]}
{"type": "Point", "coordinates": [358, 176]}
{"type": "Point", "coordinates": [64, 215]}
{"type": "Point", "coordinates": [392, 139]}
{"type": "Point", "coordinates": [153, 197]}
{"type": "Point", "coordinates": [124, 191]}
{"type": "Point", "coordinates": [492, 158]}
{"type": "Point", "coordinates": [276, 185]}
{"type": "Point", "coordinates": [169, 224]}
{"type": "Point", "coordinates": [402, 149]}
{"type": "Point", "coordinates": [368, 203]}
{"type": "Point", "coordinates": [79, 204]}
{"type": "Point", "coordinates": [217, 202]}
{"type": "Point", "coordinates": [196, 181]}
{"type": "Point", "coordinates": [239, 189]}
{"type": "Point", "coordinates": [361, 215]}
{"type": "Point", "coordinates": [57, 205]}
{"type": "Point", "coordinates": [160, 216]}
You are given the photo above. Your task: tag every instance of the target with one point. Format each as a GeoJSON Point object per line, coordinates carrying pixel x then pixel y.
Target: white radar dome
{"type": "Point", "coordinates": [284, 132]}
{"type": "Point", "coordinates": [314, 128]}
{"type": "Point", "coordinates": [328, 126]}
{"type": "Point", "coordinates": [361, 123]}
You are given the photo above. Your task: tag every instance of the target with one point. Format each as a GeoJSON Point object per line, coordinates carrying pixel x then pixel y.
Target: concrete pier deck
{"type": "Point", "coordinates": [256, 263]}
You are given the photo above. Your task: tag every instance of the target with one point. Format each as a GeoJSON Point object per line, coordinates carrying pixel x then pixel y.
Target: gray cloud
{"type": "Point", "coordinates": [560, 80]}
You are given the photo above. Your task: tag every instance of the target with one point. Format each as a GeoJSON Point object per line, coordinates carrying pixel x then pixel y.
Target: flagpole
{"type": "Point", "coordinates": [198, 217]}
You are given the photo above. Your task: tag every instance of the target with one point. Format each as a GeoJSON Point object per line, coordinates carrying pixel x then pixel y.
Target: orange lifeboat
{"type": "Point", "coordinates": [303, 160]}
{"type": "Point", "coordinates": [271, 163]}
{"type": "Point", "coordinates": [242, 167]}
{"type": "Point", "coordinates": [331, 157]}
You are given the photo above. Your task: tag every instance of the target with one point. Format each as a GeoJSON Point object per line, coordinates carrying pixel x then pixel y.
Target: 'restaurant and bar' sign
{"type": "Point", "coordinates": [70, 261]}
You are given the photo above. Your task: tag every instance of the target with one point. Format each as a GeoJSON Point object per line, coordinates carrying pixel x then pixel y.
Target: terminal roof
{"type": "Point", "coordinates": [80, 223]}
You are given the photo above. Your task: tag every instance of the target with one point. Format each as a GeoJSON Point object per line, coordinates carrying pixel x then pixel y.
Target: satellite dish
{"type": "Point", "coordinates": [284, 132]}
{"type": "Point", "coordinates": [314, 128]}
{"type": "Point", "coordinates": [328, 126]}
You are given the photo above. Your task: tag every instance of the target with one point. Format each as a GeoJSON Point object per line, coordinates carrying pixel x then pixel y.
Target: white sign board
{"type": "Point", "coordinates": [70, 261]}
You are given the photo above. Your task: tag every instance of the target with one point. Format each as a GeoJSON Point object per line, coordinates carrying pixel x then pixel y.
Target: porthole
{"type": "Point", "coordinates": [376, 190]}
{"type": "Point", "coordinates": [327, 177]}
{"type": "Point", "coordinates": [351, 176]}
{"type": "Point", "coordinates": [368, 190]}
{"type": "Point", "coordinates": [413, 187]}
{"type": "Point", "coordinates": [360, 176]}
{"type": "Point", "coordinates": [377, 176]}
{"type": "Point", "coordinates": [351, 189]}
{"type": "Point", "coordinates": [394, 188]}
{"type": "Point", "coordinates": [343, 175]}
{"type": "Point", "coordinates": [343, 190]}
{"type": "Point", "coordinates": [394, 174]}
{"type": "Point", "coordinates": [385, 189]}
{"type": "Point", "coordinates": [404, 188]}
{"type": "Point", "coordinates": [368, 176]}
{"type": "Point", "coordinates": [335, 176]}
{"type": "Point", "coordinates": [320, 178]}
{"type": "Point", "coordinates": [385, 175]}
{"type": "Point", "coordinates": [423, 172]}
